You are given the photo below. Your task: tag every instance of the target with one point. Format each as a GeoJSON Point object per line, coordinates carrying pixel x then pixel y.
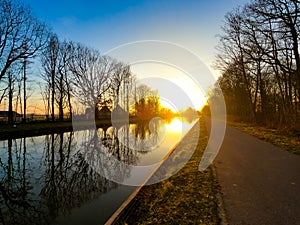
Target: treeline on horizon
{"type": "Point", "coordinates": [68, 69]}
{"type": "Point", "coordinates": [258, 55]}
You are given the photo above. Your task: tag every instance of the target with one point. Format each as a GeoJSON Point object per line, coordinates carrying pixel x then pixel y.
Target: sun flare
{"type": "Point", "coordinates": [175, 125]}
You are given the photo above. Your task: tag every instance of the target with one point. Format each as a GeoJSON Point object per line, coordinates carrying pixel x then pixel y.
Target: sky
{"type": "Point", "coordinates": [105, 25]}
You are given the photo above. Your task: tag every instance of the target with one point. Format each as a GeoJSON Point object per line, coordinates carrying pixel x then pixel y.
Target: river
{"type": "Point", "coordinates": [80, 177]}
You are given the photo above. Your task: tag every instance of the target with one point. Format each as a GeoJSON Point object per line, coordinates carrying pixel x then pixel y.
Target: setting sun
{"type": "Point", "coordinates": [175, 125]}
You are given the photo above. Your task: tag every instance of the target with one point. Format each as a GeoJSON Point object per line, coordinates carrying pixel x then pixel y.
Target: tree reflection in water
{"type": "Point", "coordinates": [42, 178]}
{"type": "Point", "coordinates": [18, 202]}
{"type": "Point", "coordinates": [148, 134]}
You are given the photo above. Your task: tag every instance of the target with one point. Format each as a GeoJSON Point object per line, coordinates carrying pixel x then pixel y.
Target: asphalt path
{"type": "Point", "coordinates": [260, 183]}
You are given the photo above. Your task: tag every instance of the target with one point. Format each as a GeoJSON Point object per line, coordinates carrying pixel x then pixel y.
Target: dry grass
{"type": "Point", "coordinates": [188, 197]}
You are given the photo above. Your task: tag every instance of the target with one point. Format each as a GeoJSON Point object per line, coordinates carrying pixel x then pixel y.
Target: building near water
{"type": "Point", "coordinates": [103, 113]}
{"type": "Point", "coordinates": [4, 116]}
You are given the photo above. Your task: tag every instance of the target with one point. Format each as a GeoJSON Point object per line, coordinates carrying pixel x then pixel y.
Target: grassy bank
{"type": "Point", "coordinates": [289, 141]}
{"type": "Point", "coordinates": [188, 197]}
{"type": "Point", "coordinates": [32, 129]}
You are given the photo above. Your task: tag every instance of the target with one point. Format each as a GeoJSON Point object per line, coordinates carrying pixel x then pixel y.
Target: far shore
{"type": "Point", "coordinates": [36, 128]}
{"type": "Point", "coordinates": [30, 129]}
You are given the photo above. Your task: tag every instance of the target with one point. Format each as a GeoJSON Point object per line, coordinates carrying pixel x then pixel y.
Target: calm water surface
{"type": "Point", "coordinates": [58, 178]}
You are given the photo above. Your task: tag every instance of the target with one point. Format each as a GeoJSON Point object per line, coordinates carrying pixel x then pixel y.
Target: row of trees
{"type": "Point", "coordinates": [258, 55]}
{"type": "Point", "coordinates": [69, 71]}
{"type": "Point", "coordinates": [72, 69]}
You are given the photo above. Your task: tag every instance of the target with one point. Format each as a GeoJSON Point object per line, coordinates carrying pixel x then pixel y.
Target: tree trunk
{"type": "Point", "coordinates": [52, 93]}
{"type": "Point", "coordinates": [10, 118]}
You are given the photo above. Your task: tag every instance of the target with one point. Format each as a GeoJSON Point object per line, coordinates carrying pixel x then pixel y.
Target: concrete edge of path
{"type": "Point", "coordinates": [220, 201]}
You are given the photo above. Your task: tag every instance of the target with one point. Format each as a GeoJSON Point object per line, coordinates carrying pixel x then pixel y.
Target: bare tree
{"type": "Point", "coordinates": [121, 79]}
{"type": "Point", "coordinates": [21, 35]}
{"type": "Point", "coordinates": [64, 69]}
{"type": "Point", "coordinates": [259, 55]}
{"type": "Point", "coordinates": [45, 93]}
{"type": "Point", "coordinates": [91, 73]}
{"type": "Point", "coordinates": [11, 80]}
{"type": "Point", "coordinates": [49, 60]}
{"type": "Point", "coordinates": [62, 84]}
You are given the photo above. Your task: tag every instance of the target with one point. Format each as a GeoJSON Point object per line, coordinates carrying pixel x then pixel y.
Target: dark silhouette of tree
{"type": "Point", "coordinates": [49, 62]}
{"type": "Point", "coordinates": [56, 61]}
{"type": "Point", "coordinates": [11, 80]}
{"type": "Point", "coordinates": [21, 37]}
{"type": "Point", "coordinates": [63, 82]}
{"type": "Point", "coordinates": [91, 73]}
{"type": "Point", "coordinates": [259, 59]}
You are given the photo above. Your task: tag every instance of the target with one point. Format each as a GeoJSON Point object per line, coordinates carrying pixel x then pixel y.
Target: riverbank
{"type": "Point", "coordinates": [188, 197]}
{"type": "Point", "coordinates": [31, 129]}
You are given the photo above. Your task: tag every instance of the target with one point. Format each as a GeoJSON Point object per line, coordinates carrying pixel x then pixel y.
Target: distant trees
{"type": "Point", "coordinates": [258, 55]}
{"type": "Point", "coordinates": [189, 113]}
{"type": "Point", "coordinates": [148, 104]}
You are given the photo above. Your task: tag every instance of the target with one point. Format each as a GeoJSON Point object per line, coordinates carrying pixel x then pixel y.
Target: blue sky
{"type": "Point", "coordinates": [107, 24]}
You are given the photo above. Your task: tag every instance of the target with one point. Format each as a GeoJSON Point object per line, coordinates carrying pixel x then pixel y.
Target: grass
{"type": "Point", "coordinates": [188, 197]}
{"type": "Point", "coordinates": [280, 138]}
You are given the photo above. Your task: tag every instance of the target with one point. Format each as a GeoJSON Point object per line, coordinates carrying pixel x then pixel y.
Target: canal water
{"type": "Point", "coordinates": [80, 177]}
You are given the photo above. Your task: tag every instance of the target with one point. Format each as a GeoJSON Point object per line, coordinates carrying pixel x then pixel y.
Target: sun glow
{"type": "Point", "coordinates": [185, 92]}
{"type": "Point", "coordinates": [175, 125]}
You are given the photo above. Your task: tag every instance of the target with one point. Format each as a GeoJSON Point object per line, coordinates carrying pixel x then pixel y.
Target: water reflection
{"type": "Point", "coordinates": [45, 178]}
{"type": "Point", "coordinates": [146, 135]}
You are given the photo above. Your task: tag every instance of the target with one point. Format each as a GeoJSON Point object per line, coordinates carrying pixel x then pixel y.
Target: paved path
{"type": "Point", "coordinates": [260, 182]}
